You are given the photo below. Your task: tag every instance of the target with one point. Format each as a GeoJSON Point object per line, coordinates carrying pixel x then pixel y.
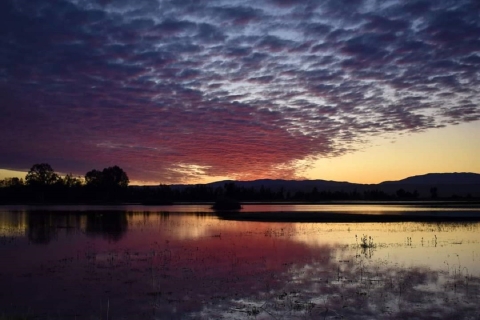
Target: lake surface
{"type": "Point", "coordinates": [183, 262]}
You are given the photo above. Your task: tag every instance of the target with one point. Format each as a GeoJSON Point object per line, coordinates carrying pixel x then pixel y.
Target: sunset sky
{"type": "Point", "coordinates": [189, 91]}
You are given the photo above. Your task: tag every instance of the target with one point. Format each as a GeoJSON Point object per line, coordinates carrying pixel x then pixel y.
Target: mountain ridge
{"type": "Point", "coordinates": [447, 184]}
{"type": "Point", "coordinates": [428, 178]}
{"type": "Point", "coordinates": [441, 178]}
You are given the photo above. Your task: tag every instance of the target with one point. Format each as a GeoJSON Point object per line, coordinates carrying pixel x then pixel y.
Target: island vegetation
{"type": "Point", "coordinates": [226, 204]}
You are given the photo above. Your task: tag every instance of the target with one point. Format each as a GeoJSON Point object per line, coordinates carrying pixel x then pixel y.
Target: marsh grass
{"type": "Point", "coordinates": [367, 245]}
{"type": "Point", "coordinates": [359, 287]}
{"type": "Point", "coordinates": [381, 293]}
{"type": "Point", "coordinates": [366, 242]}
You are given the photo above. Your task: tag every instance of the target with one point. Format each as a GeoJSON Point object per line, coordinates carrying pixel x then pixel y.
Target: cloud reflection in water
{"type": "Point", "coordinates": [179, 266]}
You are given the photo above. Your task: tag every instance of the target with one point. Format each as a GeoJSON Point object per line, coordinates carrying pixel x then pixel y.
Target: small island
{"type": "Point", "coordinates": [226, 204]}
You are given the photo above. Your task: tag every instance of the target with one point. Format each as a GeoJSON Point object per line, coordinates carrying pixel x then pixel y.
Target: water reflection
{"type": "Point", "coordinates": [147, 265]}
{"type": "Point", "coordinates": [40, 228]}
{"type": "Point", "coordinates": [110, 225]}
{"type": "Point", "coordinates": [359, 289]}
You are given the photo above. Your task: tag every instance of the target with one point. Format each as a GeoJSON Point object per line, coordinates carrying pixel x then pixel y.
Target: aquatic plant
{"type": "Point", "coordinates": [367, 243]}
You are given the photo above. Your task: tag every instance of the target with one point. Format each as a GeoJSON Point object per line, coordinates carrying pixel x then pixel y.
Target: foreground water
{"type": "Point", "coordinates": [181, 262]}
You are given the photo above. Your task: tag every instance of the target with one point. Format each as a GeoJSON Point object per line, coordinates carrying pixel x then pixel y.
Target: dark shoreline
{"type": "Point", "coordinates": [429, 211]}
{"type": "Point", "coordinates": [349, 217]}
{"type": "Point", "coordinates": [422, 203]}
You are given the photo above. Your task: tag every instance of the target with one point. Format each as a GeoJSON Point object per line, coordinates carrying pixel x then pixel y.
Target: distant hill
{"type": "Point", "coordinates": [447, 184]}
{"type": "Point", "coordinates": [440, 178]}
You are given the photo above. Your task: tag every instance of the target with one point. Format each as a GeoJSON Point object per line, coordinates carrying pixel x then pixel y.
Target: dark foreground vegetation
{"type": "Point", "coordinates": [111, 185]}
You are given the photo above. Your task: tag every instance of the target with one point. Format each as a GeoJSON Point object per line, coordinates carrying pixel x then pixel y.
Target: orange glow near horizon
{"type": "Point", "coordinates": [5, 173]}
{"type": "Point", "coordinates": [449, 149]}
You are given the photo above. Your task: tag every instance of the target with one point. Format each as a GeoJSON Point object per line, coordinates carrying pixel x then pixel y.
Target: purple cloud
{"type": "Point", "coordinates": [175, 90]}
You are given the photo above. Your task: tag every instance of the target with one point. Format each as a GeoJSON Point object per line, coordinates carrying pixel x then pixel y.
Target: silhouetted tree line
{"type": "Point", "coordinates": [43, 185]}
{"type": "Point", "coordinates": [204, 193]}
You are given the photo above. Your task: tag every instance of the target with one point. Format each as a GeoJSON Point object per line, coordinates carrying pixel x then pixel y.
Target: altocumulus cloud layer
{"type": "Point", "coordinates": [173, 90]}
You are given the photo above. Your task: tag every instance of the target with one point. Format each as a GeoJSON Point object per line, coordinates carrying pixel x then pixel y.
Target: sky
{"type": "Point", "coordinates": [195, 91]}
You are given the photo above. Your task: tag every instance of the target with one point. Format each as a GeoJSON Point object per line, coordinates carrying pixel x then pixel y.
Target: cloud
{"type": "Point", "coordinates": [243, 89]}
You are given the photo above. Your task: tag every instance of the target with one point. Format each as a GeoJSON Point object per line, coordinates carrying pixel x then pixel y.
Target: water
{"type": "Point", "coordinates": [182, 262]}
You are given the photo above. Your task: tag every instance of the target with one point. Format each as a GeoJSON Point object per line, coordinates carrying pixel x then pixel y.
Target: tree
{"type": "Point", "coordinates": [115, 177]}
{"type": "Point", "coordinates": [107, 185]}
{"type": "Point", "coordinates": [108, 178]}
{"type": "Point", "coordinates": [434, 192]}
{"type": "Point", "coordinates": [11, 182]}
{"type": "Point", "coordinates": [41, 174]}
{"type": "Point", "coordinates": [94, 178]}
{"type": "Point", "coordinates": [71, 182]}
